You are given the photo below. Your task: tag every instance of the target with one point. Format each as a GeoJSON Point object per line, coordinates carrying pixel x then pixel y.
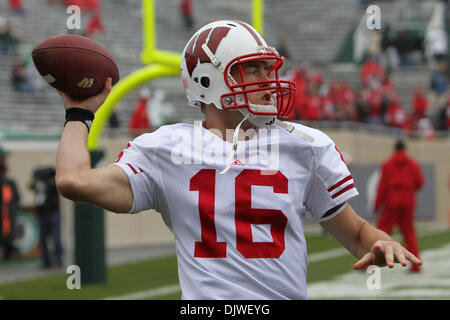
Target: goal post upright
{"type": "Point", "coordinates": [157, 64]}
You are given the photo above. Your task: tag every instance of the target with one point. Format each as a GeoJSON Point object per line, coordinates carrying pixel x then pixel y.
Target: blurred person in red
{"type": "Point", "coordinates": [328, 108]}
{"type": "Point", "coordinates": [375, 100]}
{"type": "Point", "coordinates": [401, 177]}
{"type": "Point", "coordinates": [388, 85]}
{"type": "Point", "coordinates": [187, 13]}
{"type": "Point", "coordinates": [345, 102]}
{"type": "Point", "coordinates": [9, 204]}
{"type": "Point", "coordinates": [425, 129]}
{"type": "Point", "coordinates": [447, 114]}
{"type": "Point", "coordinates": [311, 108]}
{"type": "Point", "coordinates": [95, 23]}
{"type": "Point", "coordinates": [369, 69]}
{"type": "Point", "coordinates": [300, 88]}
{"type": "Point", "coordinates": [16, 6]}
{"type": "Point", "coordinates": [419, 102]}
{"type": "Point", "coordinates": [140, 118]}
{"type": "Point", "coordinates": [395, 114]}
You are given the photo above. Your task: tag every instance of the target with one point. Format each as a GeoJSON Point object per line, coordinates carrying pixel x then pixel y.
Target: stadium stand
{"type": "Point", "coordinates": [308, 34]}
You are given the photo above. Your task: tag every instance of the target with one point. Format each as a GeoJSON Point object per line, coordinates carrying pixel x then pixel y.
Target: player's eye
{"type": "Point", "coordinates": [252, 71]}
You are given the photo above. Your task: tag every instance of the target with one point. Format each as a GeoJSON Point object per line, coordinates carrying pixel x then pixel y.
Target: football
{"type": "Point", "coordinates": [75, 65]}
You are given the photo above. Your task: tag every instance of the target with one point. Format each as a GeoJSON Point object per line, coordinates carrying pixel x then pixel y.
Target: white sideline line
{"type": "Point", "coordinates": [432, 283]}
{"type": "Point", "coordinates": [176, 288]}
{"type": "Point", "coordinates": [334, 253]}
{"type": "Point", "coordinates": [315, 257]}
{"type": "Point", "coordinates": [148, 293]}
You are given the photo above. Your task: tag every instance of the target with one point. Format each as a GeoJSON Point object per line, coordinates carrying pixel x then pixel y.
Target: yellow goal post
{"type": "Point", "coordinates": [157, 64]}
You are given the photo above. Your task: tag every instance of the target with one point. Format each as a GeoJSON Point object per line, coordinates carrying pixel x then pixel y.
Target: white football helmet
{"type": "Point", "coordinates": [206, 64]}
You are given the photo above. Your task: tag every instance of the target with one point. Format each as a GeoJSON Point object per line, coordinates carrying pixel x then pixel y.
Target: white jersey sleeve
{"type": "Point", "coordinates": [138, 161]}
{"type": "Point", "coordinates": [331, 184]}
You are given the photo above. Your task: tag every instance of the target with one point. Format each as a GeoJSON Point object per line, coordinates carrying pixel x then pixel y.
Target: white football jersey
{"type": "Point", "coordinates": [238, 235]}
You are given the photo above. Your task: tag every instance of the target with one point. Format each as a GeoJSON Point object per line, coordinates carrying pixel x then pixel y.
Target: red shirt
{"type": "Point", "coordinates": [371, 68]}
{"type": "Point", "coordinates": [396, 115]}
{"type": "Point", "coordinates": [419, 103]}
{"type": "Point", "coordinates": [139, 119]}
{"type": "Point", "coordinates": [311, 108]}
{"type": "Point", "coordinates": [401, 177]}
{"type": "Point", "coordinates": [374, 99]}
{"type": "Point", "coordinates": [448, 116]}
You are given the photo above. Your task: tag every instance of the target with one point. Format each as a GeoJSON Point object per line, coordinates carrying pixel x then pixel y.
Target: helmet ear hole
{"type": "Point", "coordinates": [204, 81]}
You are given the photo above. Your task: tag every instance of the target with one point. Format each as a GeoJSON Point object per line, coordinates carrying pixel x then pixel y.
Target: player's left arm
{"type": "Point", "coordinates": [367, 243]}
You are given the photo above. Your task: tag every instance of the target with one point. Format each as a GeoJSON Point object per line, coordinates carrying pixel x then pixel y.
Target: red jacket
{"type": "Point", "coordinates": [371, 68]}
{"type": "Point", "coordinates": [139, 118]}
{"type": "Point", "coordinates": [419, 103]}
{"type": "Point", "coordinates": [401, 177]}
{"type": "Point", "coordinates": [447, 113]}
{"type": "Point", "coordinates": [395, 115]}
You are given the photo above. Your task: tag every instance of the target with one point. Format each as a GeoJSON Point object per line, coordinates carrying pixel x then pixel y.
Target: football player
{"type": "Point", "coordinates": [237, 217]}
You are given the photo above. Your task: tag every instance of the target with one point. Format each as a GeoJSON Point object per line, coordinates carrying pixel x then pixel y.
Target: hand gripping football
{"type": "Point", "coordinates": [75, 65]}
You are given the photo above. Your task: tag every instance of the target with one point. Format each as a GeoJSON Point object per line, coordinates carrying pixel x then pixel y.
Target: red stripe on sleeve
{"type": "Point", "coordinates": [121, 153]}
{"type": "Point", "coordinates": [131, 167]}
{"type": "Point", "coordinates": [340, 183]}
{"type": "Point", "coordinates": [350, 186]}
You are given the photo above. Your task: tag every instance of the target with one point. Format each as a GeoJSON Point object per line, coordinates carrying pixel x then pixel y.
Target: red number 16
{"type": "Point", "coordinates": [204, 182]}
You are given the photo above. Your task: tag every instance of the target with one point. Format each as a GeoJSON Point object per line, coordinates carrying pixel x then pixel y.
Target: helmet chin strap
{"type": "Point", "coordinates": [260, 120]}
{"type": "Point", "coordinates": [230, 159]}
{"type": "Point", "coordinates": [291, 129]}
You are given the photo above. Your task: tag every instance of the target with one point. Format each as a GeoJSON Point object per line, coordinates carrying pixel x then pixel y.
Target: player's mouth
{"type": "Point", "coordinates": [266, 98]}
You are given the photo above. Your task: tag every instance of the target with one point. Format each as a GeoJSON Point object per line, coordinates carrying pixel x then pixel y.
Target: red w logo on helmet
{"type": "Point", "coordinates": [194, 55]}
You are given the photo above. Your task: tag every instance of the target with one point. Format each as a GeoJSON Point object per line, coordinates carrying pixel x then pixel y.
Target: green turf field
{"type": "Point", "coordinates": [329, 267]}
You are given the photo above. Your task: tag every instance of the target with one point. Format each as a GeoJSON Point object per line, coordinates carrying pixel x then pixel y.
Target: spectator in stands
{"type": "Point", "coordinates": [362, 107]}
{"type": "Point", "coordinates": [389, 59]}
{"type": "Point", "coordinates": [9, 204]}
{"type": "Point", "coordinates": [113, 121]}
{"type": "Point", "coordinates": [48, 210]}
{"type": "Point", "coordinates": [161, 111]}
{"type": "Point", "coordinates": [443, 117]}
{"type": "Point", "coordinates": [371, 69]}
{"type": "Point", "coordinates": [387, 85]}
{"type": "Point", "coordinates": [283, 48]}
{"type": "Point", "coordinates": [38, 85]}
{"type": "Point", "coordinates": [95, 24]}
{"type": "Point", "coordinates": [139, 121]}
{"type": "Point", "coordinates": [438, 87]}
{"type": "Point", "coordinates": [8, 41]}
{"type": "Point", "coordinates": [298, 77]}
{"type": "Point", "coordinates": [312, 105]}
{"type": "Point", "coordinates": [419, 102]}
{"type": "Point", "coordinates": [437, 45]}
{"type": "Point", "coordinates": [187, 12]}
{"type": "Point", "coordinates": [446, 114]}
{"type": "Point", "coordinates": [19, 79]}
{"type": "Point", "coordinates": [395, 114]}
{"type": "Point", "coordinates": [374, 96]}
{"type": "Point", "coordinates": [374, 43]}
{"type": "Point", "coordinates": [345, 102]}
{"type": "Point", "coordinates": [405, 43]}
{"type": "Point", "coordinates": [425, 129]}
{"type": "Point", "coordinates": [401, 177]}
{"type": "Point", "coordinates": [16, 6]}
{"type": "Point", "coordinates": [328, 108]}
